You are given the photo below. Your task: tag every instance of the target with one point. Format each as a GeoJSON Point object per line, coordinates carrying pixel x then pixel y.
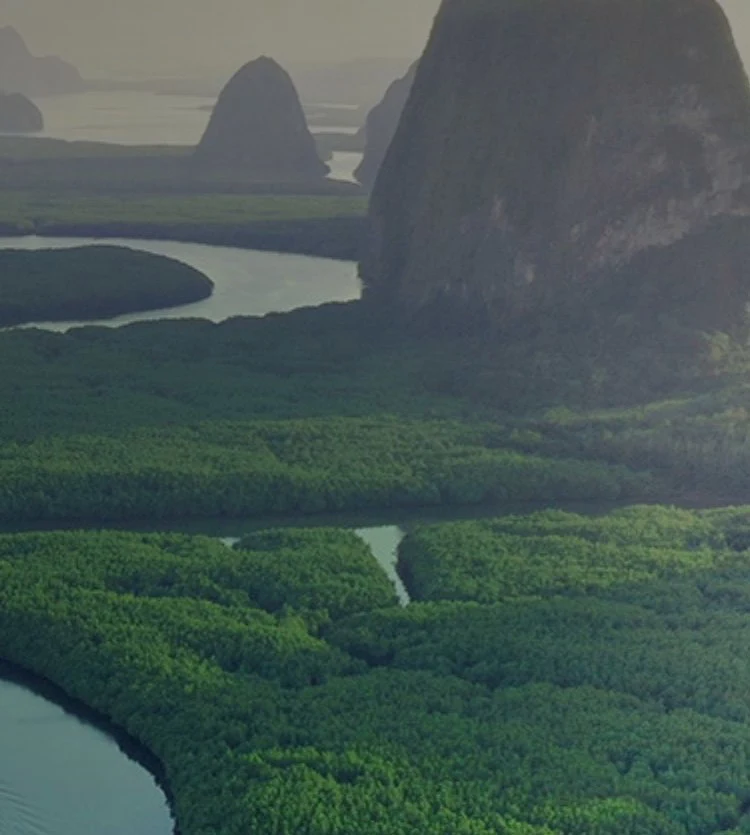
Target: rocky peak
{"type": "Point", "coordinates": [258, 128]}
{"type": "Point", "coordinates": [380, 127]}
{"type": "Point", "coordinates": [19, 114]}
{"type": "Point", "coordinates": [550, 147]}
{"type": "Point", "coordinates": [12, 44]}
{"type": "Point", "coordinates": [22, 72]}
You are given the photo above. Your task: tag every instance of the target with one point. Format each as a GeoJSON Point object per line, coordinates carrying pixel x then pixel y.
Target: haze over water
{"type": "Point", "coordinates": [192, 37]}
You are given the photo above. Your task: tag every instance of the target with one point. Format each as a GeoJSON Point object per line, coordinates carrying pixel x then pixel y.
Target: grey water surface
{"type": "Point", "coordinates": [60, 775]}
{"type": "Point", "coordinates": [247, 282]}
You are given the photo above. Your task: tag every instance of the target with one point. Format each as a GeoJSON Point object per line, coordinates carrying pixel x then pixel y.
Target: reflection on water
{"type": "Point", "coordinates": [17, 814]}
{"type": "Point", "coordinates": [247, 282]}
{"type": "Point", "coordinates": [349, 130]}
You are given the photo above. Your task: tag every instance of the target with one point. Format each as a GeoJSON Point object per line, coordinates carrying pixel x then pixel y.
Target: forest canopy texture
{"type": "Point", "coordinates": [92, 282]}
{"type": "Point", "coordinates": [284, 691]}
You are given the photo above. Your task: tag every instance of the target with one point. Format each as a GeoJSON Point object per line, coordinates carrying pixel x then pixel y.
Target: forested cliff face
{"type": "Point", "coordinates": [569, 155]}
{"type": "Point", "coordinates": [258, 128]}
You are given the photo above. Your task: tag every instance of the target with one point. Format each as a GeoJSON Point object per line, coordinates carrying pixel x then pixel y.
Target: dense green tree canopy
{"type": "Point", "coordinates": [597, 708]}
{"type": "Point", "coordinates": [95, 282]}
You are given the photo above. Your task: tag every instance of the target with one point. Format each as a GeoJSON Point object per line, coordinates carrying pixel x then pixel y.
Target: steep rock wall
{"type": "Point", "coordinates": [548, 146]}
{"type": "Point", "coordinates": [380, 127]}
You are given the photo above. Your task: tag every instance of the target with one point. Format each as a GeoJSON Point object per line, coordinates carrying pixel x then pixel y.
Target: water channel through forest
{"type": "Point", "coordinates": [62, 771]}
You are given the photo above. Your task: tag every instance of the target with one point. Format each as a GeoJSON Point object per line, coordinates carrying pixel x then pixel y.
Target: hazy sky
{"type": "Point", "coordinates": [102, 36]}
{"type": "Point", "coordinates": [197, 36]}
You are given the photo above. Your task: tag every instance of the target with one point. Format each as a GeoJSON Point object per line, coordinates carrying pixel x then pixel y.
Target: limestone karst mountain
{"type": "Point", "coordinates": [381, 125]}
{"type": "Point", "coordinates": [22, 72]}
{"type": "Point", "coordinates": [19, 114]}
{"type": "Point", "coordinates": [258, 128]}
{"type": "Point", "coordinates": [575, 157]}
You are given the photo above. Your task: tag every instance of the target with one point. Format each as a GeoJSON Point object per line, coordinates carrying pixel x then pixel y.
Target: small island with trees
{"type": "Point", "coordinates": [92, 282]}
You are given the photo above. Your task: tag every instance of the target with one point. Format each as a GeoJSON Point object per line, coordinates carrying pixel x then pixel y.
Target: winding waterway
{"type": "Point", "coordinates": [247, 282]}
{"type": "Point", "coordinates": [61, 775]}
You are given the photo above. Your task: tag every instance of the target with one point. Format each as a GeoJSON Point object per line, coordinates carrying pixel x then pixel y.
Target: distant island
{"type": "Point", "coordinates": [258, 129]}
{"type": "Point", "coordinates": [22, 72]}
{"type": "Point", "coordinates": [92, 282]}
{"type": "Point", "coordinates": [18, 114]}
{"type": "Point", "coordinates": [377, 133]}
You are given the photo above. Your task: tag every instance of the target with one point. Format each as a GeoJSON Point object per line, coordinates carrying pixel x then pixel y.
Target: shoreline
{"type": "Point", "coordinates": [129, 746]}
{"type": "Point", "coordinates": [338, 238]}
{"type": "Point", "coordinates": [119, 288]}
{"type": "Point", "coordinates": [372, 517]}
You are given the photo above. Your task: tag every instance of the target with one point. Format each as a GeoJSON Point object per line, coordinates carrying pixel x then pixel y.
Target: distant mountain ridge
{"type": "Point", "coordinates": [22, 72]}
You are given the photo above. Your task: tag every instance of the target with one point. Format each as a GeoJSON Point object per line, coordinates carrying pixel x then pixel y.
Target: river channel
{"type": "Point", "coordinates": [59, 773]}
{"type": "Point", "coordinates": [247, 282]}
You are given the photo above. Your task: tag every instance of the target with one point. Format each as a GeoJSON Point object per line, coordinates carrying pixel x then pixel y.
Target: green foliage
{"type": "Point", "coordinates": [700, 440]}
{"type": "Point", "coordinates": [558, 553]}
{"type": "Point", "coordinates": [327, 571]}
{"type": "Point", "coordinates": [92, 282]}
{"type": "Point", "coordinates": [242, 469]}
{"type": "Point", "coordinates": [172, 210]}
{"type": "Point", "coordinates": [310, 411]}
{"type": "Point", "coordinates": [323, 224]}
{"type": "Point", "coordinates": [600, 687]}
{"type": "Point", "coordinates": [555, 717]}
{"type": "Point", "coordinates": [44, 167]}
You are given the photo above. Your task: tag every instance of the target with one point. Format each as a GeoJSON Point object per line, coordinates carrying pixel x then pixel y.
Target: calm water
{"type": "Point", "coordinates": [343, 164]}
{"type": "Point", "coordinates": [126, 118]}
{"type": "Point", "coordinates": [60, 775]}
{"type": "Point", "coordinates": [382, 539]}
{"type": "Point", "coordinates": [142, 118]}
{"type": "Point", "coordinates": [384, 542]}
{"type": "Point", "coordinates": [246, 282]}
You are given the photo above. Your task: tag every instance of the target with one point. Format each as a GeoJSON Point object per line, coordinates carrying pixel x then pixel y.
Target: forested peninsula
{"type": "Point", "coordinates": [92, 283]}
